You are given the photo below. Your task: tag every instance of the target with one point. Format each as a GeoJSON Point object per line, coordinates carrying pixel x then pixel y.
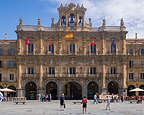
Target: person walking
{"type": "Point", "coordinates": [108, 103]}
{"type": "Point", "coordinates": [122, 98]}
{"type": "Point", "coordinates": [84, 102]}
{"type": "Point", "coordinates": [95, 99]}
{"type": "Point", "coordinates": [62, 102]}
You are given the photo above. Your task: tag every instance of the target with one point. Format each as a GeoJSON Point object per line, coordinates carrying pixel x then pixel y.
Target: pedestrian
{"type": "Point", "coordinates": [62, 102]}
{"type": "Point", "coordinates": [122, 98]}
{"type": "Point", "coordinates": [1, 97]}
{"type": "Point", "coordinates": [108, 103]}
{"type": "Point", "coordinates": [84, 102]}
{"type": "Point", "coordinates": [95, 99]}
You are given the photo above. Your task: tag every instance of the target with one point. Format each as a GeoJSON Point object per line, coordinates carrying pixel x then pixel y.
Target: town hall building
{"type": "Point", "coordinates": [72, 57]}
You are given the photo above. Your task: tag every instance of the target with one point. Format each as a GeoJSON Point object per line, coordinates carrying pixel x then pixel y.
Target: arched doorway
{"type": "Point", "coordinates": [141, 93]}
{"type": "Point", "coordinates": [73, 91]}
{"type": "Point", "coordinates": [130, 87]}
{"type": "Point", "coordinates": [12, 94]}
{"type": "Point", "coordinates": [92, 89]}
{"type": "Point", "coordinates": [51, 88]}
{"type": "Point", "coordinates": [31, 91]}
{"type": "Point", "coordinates": [113, 87]}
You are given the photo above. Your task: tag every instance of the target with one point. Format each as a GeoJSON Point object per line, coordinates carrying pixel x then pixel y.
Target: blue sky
{"type": "Point", "coordinates": [113, 10]}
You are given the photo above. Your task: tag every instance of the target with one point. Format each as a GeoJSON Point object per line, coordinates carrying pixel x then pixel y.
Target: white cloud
{"type": "Point", "coordinates": [113, 10]}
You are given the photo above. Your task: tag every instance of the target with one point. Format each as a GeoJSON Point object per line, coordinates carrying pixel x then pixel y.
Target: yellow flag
{"type": "Point", "coordinates": [69, 36]}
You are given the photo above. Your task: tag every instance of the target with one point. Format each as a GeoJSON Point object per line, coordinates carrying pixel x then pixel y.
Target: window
{"type": "Point", "coordinates": [30, 70]}
{"type": "Point", "coordinates": [30, 48]}
{"type": "Point", "coordinates": [131, 76]}
{"type": "Point", "coordinates": [72, 70]}
{"type": "Point", "coordinates": [51, 70]}
{"type": "Point", "coordinates": [72, 48]}
{"type": "Point", "coordinates": [142, 52]}
{"type": "Point", "coordinates": [0, 51]}
{"type": "Point", "coordinates": [142, 75]}
{"type": "Point", "coordinates": [93, 48]}
{"type": "Point", "coordinates": [11, 51]}
{"type": "Point", "coordinates": [130, 51]}
{"type": "Point", "coordinates": [131, 64]}
{"type": "Point", "coordinates": [113, 70]}
{"type": "Point", "coordinates": [93, 70]}
{"type": "Point", "coordinates": [51, 49]}
{"type": "Point", "coordinates": [11, 77]}
{"type": "Point", "coordinates": [11, 63]}
{"type": "Point", "coordinates": [0, 77]}
{"type": "Point", "coordinates": [113, 47]}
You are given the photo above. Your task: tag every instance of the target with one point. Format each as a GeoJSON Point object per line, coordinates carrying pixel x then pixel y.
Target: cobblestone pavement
{"type": "Point", "coordinates": [53, 108]}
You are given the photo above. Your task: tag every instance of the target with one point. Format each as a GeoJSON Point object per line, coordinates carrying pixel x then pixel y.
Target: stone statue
{"type": "Point", "coordinates": [122, 22]}
{"type": "Point", "coordinates": [20, 21]}
{"type": "Point", "coordinates": [104, 22]}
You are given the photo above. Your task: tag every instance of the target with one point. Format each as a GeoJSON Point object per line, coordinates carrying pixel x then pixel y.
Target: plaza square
{"type": "Point", "coordinates": [70, 61]}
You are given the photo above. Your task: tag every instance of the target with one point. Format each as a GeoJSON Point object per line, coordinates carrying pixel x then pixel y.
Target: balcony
{"type": "Point", "coordinates": [136, 80]}
{"type": "Point", "coordinates": [30, 76]}
{"type": "Point", "coordinates": [76, 75]}
{"type": "Point", "coordinates": [117, 76]}
{"type": "Point", "coordinates": [137, 66]}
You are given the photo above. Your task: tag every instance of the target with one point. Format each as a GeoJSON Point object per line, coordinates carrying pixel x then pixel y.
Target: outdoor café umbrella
{"type": "Point", "coordinates": [136, 89]}
{"type": "Point", "coordinates": [7, 90]}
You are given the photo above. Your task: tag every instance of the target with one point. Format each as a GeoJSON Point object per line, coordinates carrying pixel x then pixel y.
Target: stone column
{"type": "Point", "coordinates": [34, 50]}
{"type": "Point", "coordinates": [60, 89]}
{"type": "Point", "coordinates": [41, 77]}
{"type": "Point", "coordinates": [124, 47]}
{"type": "Point", "coordinates": [84, 88]}
{"type": "Point", "coordinates": [41, 46]}
{"type": "Point", "coordinates": [19, 47]}
{"type": "Point", "coordinates": [26, 49]}
{"type": "Point", "coordinates": [103, 46]}
{"type": "Point", "coordinates": [104, 79]}
{"type": "Point", "coordinates": [67, 19]}
{"type": "Point", "coordinates": [124, 76]}
{"type": "Point", "coordinates": [77, 19]}
{"type": "Point", "coordinates": [83, 21]}
{"type": "Point", "coordinates": [20, 92]}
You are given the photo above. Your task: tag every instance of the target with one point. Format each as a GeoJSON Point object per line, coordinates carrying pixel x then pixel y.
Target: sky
{"type": "Point", "coordinates": [132, 11]}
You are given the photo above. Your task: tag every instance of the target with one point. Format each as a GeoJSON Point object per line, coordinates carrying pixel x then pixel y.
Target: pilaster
{"type": "Point", "coordinates": [124, 76]}
{"type": "Point", "coordinates": [103, 45]}
{"type": "Point", "coordinates": [124, 46]}
{"type": "Point", "coordinates": [41, 46]}
{"type": "Point", "coordinates": [103, 76]}
{"type": "Point", "coordinates": [84, 88]}
{"type": "Point", "coordinates": [19, 46]}
{"type": "Point", "coordinates": [41, 76]}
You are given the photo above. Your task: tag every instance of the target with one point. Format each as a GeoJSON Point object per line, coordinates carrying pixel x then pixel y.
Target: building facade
{"type": "Point", "coordinates": [95, 60]}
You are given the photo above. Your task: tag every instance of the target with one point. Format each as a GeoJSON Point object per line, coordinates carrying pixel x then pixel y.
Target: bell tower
{"type": "Point", "coordinates": [72, 18]}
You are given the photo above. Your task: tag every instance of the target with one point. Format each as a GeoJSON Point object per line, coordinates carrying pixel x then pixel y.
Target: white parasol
{"type": "Point", "coordinates": [136, 89]}
{"type": "Point", "coordinates": [7, 90]}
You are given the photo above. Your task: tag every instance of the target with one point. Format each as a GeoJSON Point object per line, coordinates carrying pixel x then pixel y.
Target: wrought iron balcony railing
{"type": "Point", "coordinates": [30, 76]}
{"type": "Point", "coordinates": [116, 76]}
{"type": "Point", "coordinates": [72, 75]}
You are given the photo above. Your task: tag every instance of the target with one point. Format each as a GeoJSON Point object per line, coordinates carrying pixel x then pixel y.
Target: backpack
{"type": "Point", "coordinates": [84, 101]}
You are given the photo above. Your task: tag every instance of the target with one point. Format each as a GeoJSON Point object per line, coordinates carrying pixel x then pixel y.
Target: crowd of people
{"type": "Point", "coordinates": [44, 98]}
{"type": "Point", "coordinates": [108, 99]}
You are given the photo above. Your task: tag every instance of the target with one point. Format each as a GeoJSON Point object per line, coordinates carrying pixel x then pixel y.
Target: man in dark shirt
{"type": "Point", "coordinates": [62, 102]}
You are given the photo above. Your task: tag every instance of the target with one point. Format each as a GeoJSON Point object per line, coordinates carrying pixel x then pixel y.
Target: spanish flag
{"type": "Point", "coordinates": [69, 36]}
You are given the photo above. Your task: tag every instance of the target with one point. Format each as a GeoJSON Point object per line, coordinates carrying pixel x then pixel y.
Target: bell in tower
{"type": "Point", "coordinates": [71, 20]}
{"type": "Point", "coordinates": [72, 17]}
